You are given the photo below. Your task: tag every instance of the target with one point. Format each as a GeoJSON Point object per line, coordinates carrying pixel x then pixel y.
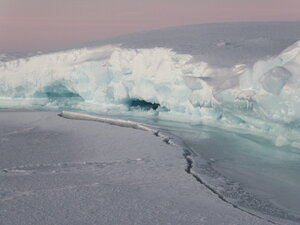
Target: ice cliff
{"type": "Point", "coordinates": [260, 98]}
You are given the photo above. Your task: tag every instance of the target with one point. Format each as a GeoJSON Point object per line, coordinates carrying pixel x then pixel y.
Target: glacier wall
{"type": "Point", "coordinates": [263, 98]}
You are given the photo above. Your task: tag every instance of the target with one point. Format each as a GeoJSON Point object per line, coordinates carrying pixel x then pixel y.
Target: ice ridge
{"type": "Point", "coordinates": [263, 98]}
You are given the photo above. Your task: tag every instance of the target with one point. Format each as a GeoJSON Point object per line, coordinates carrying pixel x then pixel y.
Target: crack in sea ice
{"type": "Point", "coordinates": [187, 155]}
{"type": "Point", "coordinates": [63, 167]}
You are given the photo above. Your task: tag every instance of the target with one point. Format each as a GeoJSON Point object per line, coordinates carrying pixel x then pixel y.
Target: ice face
{"type": "Point", "coordinates": [261, 98]}
{"type": "Point", "coordinates": [274, 80]}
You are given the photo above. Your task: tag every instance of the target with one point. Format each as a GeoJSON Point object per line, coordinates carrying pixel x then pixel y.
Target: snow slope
{"type": "Point", "coordinates": [234, 76]}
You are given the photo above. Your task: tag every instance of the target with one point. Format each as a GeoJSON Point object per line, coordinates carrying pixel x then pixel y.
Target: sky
{"type": "Point", "coordinates": [31, 25]}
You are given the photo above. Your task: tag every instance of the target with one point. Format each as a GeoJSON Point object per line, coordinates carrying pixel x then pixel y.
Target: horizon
{"type": "Point", "coordinates": [37, 25]}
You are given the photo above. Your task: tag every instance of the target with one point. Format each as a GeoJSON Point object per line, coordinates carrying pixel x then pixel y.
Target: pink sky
{"type": "Point", "coordinates": [29, 25]}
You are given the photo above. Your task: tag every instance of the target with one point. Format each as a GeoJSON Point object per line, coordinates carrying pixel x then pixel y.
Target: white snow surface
{"type": "Point", "coordinates": [260, 96]}
{"type": "Point", "coordinates": [59, 171]}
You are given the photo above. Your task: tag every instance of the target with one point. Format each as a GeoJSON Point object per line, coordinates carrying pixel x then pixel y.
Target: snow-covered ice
{"type": "Point", "coordinates": [58, 171]}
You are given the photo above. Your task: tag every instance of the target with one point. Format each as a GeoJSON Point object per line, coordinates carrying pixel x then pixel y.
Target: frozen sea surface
{"type": "Point", "coordinates": [246, 170]}
{"type": "Point", "coordinates": [59, 171]}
